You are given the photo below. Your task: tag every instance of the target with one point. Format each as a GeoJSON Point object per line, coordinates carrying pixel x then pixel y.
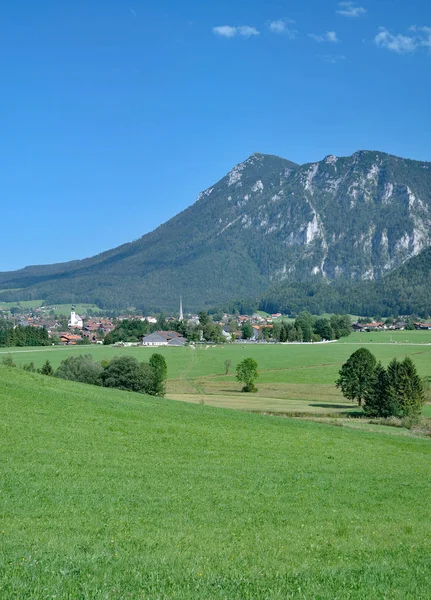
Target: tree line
{"type": "Point", "coordinates": [20, 335]}
{"type": "Point", "coordinates": [122, 372]}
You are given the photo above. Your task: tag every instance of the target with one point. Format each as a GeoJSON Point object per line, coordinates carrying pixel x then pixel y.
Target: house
{"type": "Point", "coordinates": [227, 336]}
{"type": "Point", "coordinates": [154, 339]}
{"type": "Point", "coordinates": [423, 326]}
{"type": "Point", "coordinates": [177, 341]}
{"type": "Point", "coordinates": [374, 326]}
{"type": "Point", "coordinates": [257, 318]}
{"type": "Point", "coordinates": [151, 320]}
{"type": "Point", "coordinates": [256, 332]}
{"type": "Point", "coordinates": [163, 338]}
{"type": "Point", "coordinates": [69, 339]}
{"type": "Point", "coordinates": [194, 320]}
{"type": "Point", "coordinates": [169, 335]}
{"type": "Point", "coordinates": [243, 319]}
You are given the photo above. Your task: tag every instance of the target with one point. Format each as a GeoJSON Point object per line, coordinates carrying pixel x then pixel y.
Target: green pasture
{"type": "Point", "coordinates": [292, 377]}
{"type": "Point", "coordinates": [290, 363]}
{"type": "Point", "coordinates": [65, 309]}
{"type": "Point", "coordinates": [59, 309]}
{"type": "Point", "coordinates": [22, 303]}
{"type": "Point", "coordinates": [110, 495]}
{"type": "Point", "coordinates": [390, 337]}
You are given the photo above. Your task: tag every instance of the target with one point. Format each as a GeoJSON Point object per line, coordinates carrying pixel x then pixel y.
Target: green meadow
{"type": "Point", "coordinates": [109, 495]}
{"type": "Point", "coordinates": [292, 377]}
{"type": "Point", "coordinates": [59, 309]}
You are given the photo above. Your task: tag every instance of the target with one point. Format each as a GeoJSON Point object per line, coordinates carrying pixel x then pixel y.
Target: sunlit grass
{"type": "Point", "coordinates": [109, 494]}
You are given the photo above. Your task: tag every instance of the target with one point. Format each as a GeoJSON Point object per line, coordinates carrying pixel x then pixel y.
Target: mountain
{"type": "Point", "coordinates": [404, 291]}
{"type": "Point", "coordinates": [268, 220]}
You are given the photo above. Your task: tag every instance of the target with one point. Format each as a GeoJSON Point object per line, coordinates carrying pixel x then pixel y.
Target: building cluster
{"type": "Point", "coordinates": [93, 329]}
{"type": "Point", "coordinates": [66, 332]}
{"type": "Point", "coordinates": [397, 325]}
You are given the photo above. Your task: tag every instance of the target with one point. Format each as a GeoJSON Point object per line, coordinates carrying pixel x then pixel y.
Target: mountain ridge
{"type": "Point", "coordinates": [268, 219]}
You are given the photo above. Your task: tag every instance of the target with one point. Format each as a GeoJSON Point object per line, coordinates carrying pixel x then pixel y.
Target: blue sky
{"type": "Point", "coordinates": [115, 114]}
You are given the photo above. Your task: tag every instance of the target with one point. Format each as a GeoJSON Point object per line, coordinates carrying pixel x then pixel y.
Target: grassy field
{"type": "Point", "coordinates": [59, 309]}
{"type": "Point", "coordinates": [292, 377]}
{"type": "Point", "coordinates": [23, 303]}
{"type": "Point", "coordinates": [110, 495]}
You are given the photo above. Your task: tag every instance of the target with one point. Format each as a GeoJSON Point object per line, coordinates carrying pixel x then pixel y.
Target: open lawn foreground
{"type": "Point", "coordinates": [110, 495]}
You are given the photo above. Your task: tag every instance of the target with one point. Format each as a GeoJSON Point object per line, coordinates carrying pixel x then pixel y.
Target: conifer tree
{"type": "Point", "coordinates": [378, 401]}
{"type": "Point", "coordinates": [405, 388]}
{"type": "Point", "coordinates": [157, 363]}
{"type": "Point", "coordinates": [46, 369]}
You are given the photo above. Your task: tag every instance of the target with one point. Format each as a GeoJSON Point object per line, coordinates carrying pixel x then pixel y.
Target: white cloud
{"type": "Point", "coordinates": [228, 31]}
{"type": "Point", "coordinates": [419, 38]}
{"type": "Point", "coordinates": [350, 9]}
{"type": "Point", "coordinates": [424, 35]}
{"type": "Point", "coordinates": [401, 44]}
{"type": "Point", "coordinates": [225, 31]}
{"type": "Point", "coordinates": [282, 27]}
{"type": "Point", "coordinates": [332, 36]}
{"type": "Point", "coordinates": [277, 26]}
{"type": "Point", "coordinates": [247, 31]}
{"type": "Point", "coordinates": [329, 36]}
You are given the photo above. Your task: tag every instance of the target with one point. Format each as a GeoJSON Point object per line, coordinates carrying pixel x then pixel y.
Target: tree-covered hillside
{"type": "Point", "coordinates": [407, 290]}
{"type": "Point", "coordinates": [267, 221]}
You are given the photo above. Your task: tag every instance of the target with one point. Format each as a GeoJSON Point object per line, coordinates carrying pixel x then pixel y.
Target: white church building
{"type": "Point", "coordinates": [75, 320]}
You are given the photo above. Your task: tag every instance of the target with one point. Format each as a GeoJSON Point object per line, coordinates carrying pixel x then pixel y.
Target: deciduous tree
{"type": "Point", "coordinates": [246, 372]}
{"type": "Point", "coordinates": [80, 368]}
{"type": "Point", "coordinates": [356, 375]}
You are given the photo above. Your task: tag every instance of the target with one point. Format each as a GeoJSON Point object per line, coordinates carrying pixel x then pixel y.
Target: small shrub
{"type": "Point", "coordinates": [29, 367]}
{"type": "Point", "coordinates": [46, 369]}
{"type": "Point", "coordinates": [8, 361]}
{"type": "Point", "coordinates": [411, 422]}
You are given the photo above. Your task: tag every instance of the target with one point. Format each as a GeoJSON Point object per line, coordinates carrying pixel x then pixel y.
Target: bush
{"type": "Point", "coordinates": [8, 361]}
{"type": "Point", "coordinates": [29, 367]}
{"type": "Point", "coordinates": [46, 369]}
{"type": "Point", "coordinates": [80, 368]}
{"type": "Point", "coordinates": [123, 372]}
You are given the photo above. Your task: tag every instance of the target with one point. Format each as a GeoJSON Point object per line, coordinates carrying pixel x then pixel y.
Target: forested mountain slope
{"type": "Point", "coordinates": [404, 291]}
{"type": "Point", "coordinates": [269, 220]}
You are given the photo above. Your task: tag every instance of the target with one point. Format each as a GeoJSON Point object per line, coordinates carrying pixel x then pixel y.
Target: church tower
{"type": "Point", "coordinates": [181, 308]}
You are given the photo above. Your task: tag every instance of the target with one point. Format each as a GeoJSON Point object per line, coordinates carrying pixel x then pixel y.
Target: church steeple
{"type": "Point", "coordinates": [181, 308]}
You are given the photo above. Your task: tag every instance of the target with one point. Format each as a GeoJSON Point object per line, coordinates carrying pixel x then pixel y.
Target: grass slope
{"type": "Point", "coordinates": [113, 495]}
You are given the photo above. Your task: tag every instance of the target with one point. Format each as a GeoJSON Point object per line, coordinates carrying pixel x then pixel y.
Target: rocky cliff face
{"type": "Point", "coordinates": [268, 220]}
{"type": "Point", "coordinates": [356, 217]}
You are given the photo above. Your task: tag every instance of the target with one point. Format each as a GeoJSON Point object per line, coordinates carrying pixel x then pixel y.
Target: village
{"type": "Point", "coordinates": [176, 330]}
